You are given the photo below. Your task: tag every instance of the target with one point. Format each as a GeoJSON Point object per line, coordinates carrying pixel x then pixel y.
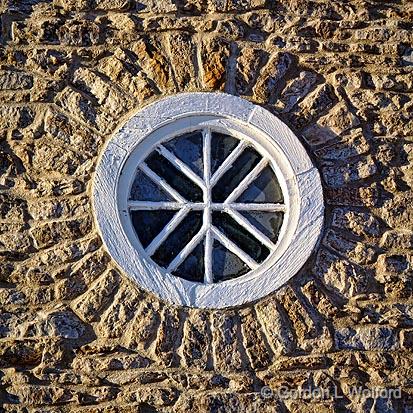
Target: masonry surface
{"type": "Point", "coordinates": [76, 335]}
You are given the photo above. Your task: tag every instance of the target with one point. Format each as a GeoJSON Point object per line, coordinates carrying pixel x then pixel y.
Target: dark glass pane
{"type": "Point", "coordinates": [188, 148]}
{"type": "Point", "coordinates": [264, 189]}
{"type": "Point", "coordinates": [144, 189]}
{"type": "Point", "coordinates": [225, 264]}
{"type": "Point", "coordinates": [165, 169]}
{"type": "Point", "coordinates": [179, 238]}
{"type": "Point", "coordinates": [193, 268]}
{"type": "Point", "coordinates": [148, 224]}
{"type": "Point", "coordinates": [269, 223]}
{"type": "Point", "coordinates": [240, 236]}
{"type": "Point", "coordinates": [221, 146]}
{"type": "Point", "coordinates": [244, 164]}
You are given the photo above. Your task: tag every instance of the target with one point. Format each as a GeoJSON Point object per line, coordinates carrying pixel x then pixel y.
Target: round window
{"type": "Point", "coordinates": [207, 200]}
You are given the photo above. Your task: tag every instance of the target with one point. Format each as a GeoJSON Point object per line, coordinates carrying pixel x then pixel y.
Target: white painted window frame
{"type": "Point", "coordinates": [299, 180]}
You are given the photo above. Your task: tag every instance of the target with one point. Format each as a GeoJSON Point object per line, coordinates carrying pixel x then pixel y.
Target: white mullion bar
{"type": "Point", "coordinates": [227, 243]}
{"type": "Point", "coordinates": [251, 229]}
{"type": "Point", "coordinates": [145, 205]}
{"type": "Point", "coordinates": [252, 207]}
{"type": "Point", "coordinates": [181, 166]}
{"type": "Point", "coordinates": [161, 182]}
{"type": "Point", "coordinates": [208, 279]}
{"type": "Point", "coordinates": [207, 156]}
{"type": "Point", "coordinates": [187, 250]}
{"type": "Point", "coordinates": [169, 227]}
{"type": "Point", "coordinates": [243, 185]}
{"type": "Point", "coordinates": [227, 163]}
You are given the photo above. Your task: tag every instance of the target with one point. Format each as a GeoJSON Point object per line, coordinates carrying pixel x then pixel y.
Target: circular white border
{"type": "Point", "coordinates": [305, 197]}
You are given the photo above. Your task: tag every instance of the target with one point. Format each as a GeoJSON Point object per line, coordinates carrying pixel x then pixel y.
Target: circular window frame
{"type": "Point", "coordinates": [299, 179]}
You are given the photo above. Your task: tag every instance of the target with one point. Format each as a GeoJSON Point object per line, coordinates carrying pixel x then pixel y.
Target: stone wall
{"type": "Point", "coordinates": [75, 334]}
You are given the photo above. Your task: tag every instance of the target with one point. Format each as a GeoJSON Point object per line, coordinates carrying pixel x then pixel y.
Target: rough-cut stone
{"type": "Point", "coordinates": [58, 208]}
{"type": "Point", "coordinates": [169, 338]}
{"type": "Point", "coordinates": [342, 276]}
{"type": "Point", "coordinates": [151, 58]}
{"type": "Point", "coordinates": [90, 305]}
{"type": "Point", "coordinates": [52, 158]}
{"type": "Point", "coordinates": [226, 344]}
{"type": "Point", "coordinates": [296, 90]}
{"type": "Point", "coordinates": [81, 275]}
{"type": "Point", "coordinates": [358, 222]}
{"type": "Point", "coordinates": [249, 63]}
{"type": "Point", "coordinates": [156, 7]}
{"type": "Point", "coordinates": [119, 314]}
{"type": "Point", "coordinates": [23, 353]}
{"type": "Point", "coordinates": [197, 341]}
{"type": "Point", "coordinates": [277, 327]}
{"type": "Point", "coordinates": [49, 234]}
{"type": "Point", "coordinates": [97, 363]}
{"type": "Point", "coordinates": [122, 69]}
{"type": "Point", "coordinates": [11, 80]}
{"type": "Point", "coordinates": [61, 324]}
{"type": "Point", "coordinates": [83, 109]}
{"type": "Point", "coordinates": [313, 106]}
{"type": "Point", "coordinates": [80, 33]}
{"type": "Point", "coordinates": [76, 335]}
{"type": "Point", "coordinates": [357, 252]}
{"type": "Point", "coordinates": [271, 78]}
{"type": "Point", "coordinates": [214, 55]}
{"type": "Point", "coordinates": [258, 351]}
{"type": "Point", "coordinates": [183, 58]}
{"type": "Point", "coordinates": [68, 132]}
{"type": "Point", "coordinates": [350, 145]}
{"type": "Point", "coordinates": [108, 98]}
{"type": "Point", "coordinates": [144, 327]}
{"type": "Point", "coordinates": [308, 325]}
{"type": "Point", "coordinates": [397, 239]}
{"type": "Point", "coordinates": [367, 338]}
{"type": "Point", "coordinates": [339, 176]}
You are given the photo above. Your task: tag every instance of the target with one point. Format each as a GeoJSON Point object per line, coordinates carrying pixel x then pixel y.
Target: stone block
{"type": "Point", "coordinates": [372, 338]}
{"type": "Point", "coordinates": [214, 56]}
{"type": "Point", "coordinates": [90, 306]}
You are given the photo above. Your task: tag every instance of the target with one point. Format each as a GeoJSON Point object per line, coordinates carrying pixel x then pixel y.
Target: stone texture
{"type": "Point", "coordinates": [75, 334]}
{"type": "Point", "coordinates": [214, 56]}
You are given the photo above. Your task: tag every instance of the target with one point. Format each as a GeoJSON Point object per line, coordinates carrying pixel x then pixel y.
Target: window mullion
{"type": "Point", "coordinates": [251, 228]}
{"type": "Point", "coordinates": [207, 156]}
{"type": "Point", "coordinates": [162, 183]}
{"type": "Point", "coordinates": [246, 181]}
{"type": "Point", "coordinates": [186, 250]}
{"type": "Point", "coordinates": [252, 207]}
{"type": "Point", "coordinates": [153, 205]}
{"type": "Point", "coordinates": [227, 243]}
{"type": "Point", "coordinates": [227, 163]}
{"type": "Point", "coordinates": [169, 227]}
{"type": "Point", "coordinates": [181, 166]}
{"type": "Point", "coordinates": [208, 278]}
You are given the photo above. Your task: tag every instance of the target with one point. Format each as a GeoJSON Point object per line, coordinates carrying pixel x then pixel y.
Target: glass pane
{"type": "Point", "coordinates": [269, 223]}
{"type": "Point", "coordinates": [188, 148]}
{"type": "Point", "coordinates": [240, 236]}
{"type": "Point", "coordinates": [148, 224]}
{"type": "Point", "coordinates": [177, 180]}
{"type": "Point", "coordinates": [193, 267]}
{"type": "Point", "coordinates": [144, 189]}
{"type": "Point", "coordinates": [265, 189]}
{"type": "Point", "coordinates": [221, 146]}
{"type": "Point", "coordinates": [179, 238]}
{"type": "Point", "coordinates": [244, 164]}
{"type": "Point", "coordinates": [225, 264]}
